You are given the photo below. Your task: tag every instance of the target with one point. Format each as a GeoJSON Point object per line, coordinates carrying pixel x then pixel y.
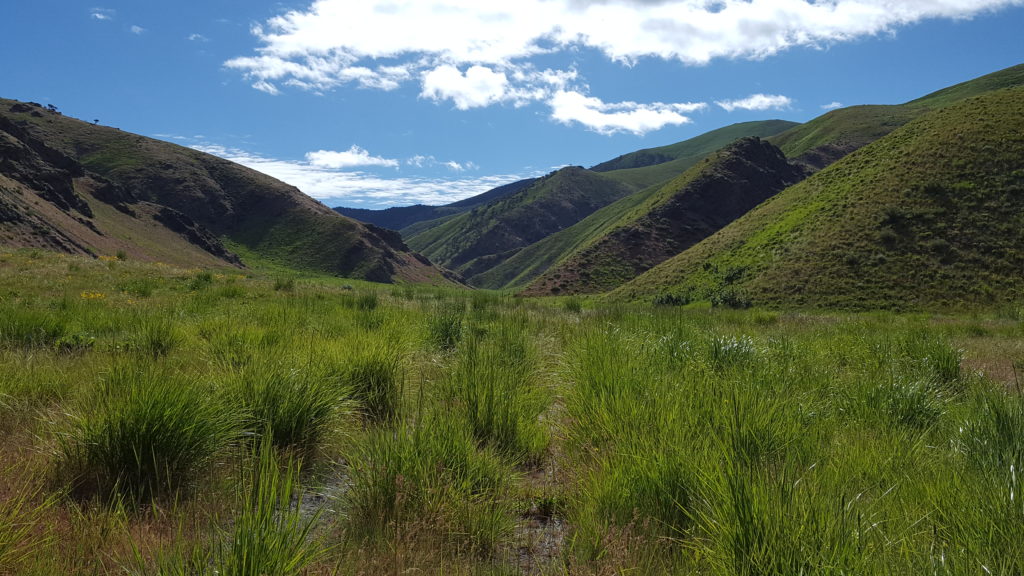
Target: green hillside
{"type": "Point", "coordinates": [715, 192]}
{"type": "Point", "coordinates": [109, 191]}
{"type": "Point", "coordinates": [831, 136]}
{"type": "Point", "coordinates": [930, 215]}
{"type": "Point", "coordinates": [698, 147]}
{"type": "Point", "coordinates": [521, 267]}
{"type": "Point", "coordinates": [474, 240]}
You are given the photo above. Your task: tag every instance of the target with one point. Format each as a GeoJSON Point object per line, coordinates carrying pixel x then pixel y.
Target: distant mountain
{"type": "Point", "coordinates": [930, 215]}
{"type": "Point", "coordinates": [403, 216]}
{"type": "Point", "coordinates": [81, 188]}
{"type": "Point", "coordinates": [478, 239]}
{"type": "Point", "coordinates": [719, 189]}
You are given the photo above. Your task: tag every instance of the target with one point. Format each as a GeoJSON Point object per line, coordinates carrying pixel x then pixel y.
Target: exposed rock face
{"type": "Point", "coordinates": [59, 175]}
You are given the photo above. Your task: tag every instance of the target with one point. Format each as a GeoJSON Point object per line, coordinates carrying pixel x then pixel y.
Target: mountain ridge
{"type": "Point", "coordinates": [78, 187]}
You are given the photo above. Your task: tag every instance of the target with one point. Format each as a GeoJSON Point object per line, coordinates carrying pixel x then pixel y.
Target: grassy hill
{"type": "Point", "coordinates": [695, 148]}
{"type": "Point", "coordinates": [478, 239]}
{"type": "Point", "coordinates": [831, 136]}
{"type": "Point", "coordinates": [81, 188]}
{"type": "Point", "coordinates": [695, 205]}
{"type": "Point", "coordinates": [930, 215]}
{"type": "Point", "coordinates": [516, 269]}
{"type": "Point", "coordinates": [815, 145]}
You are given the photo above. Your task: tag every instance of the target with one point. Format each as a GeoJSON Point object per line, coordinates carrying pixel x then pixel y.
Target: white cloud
{"type": "Point", "coordinates": [459, 166]}
{"type": "Point", "coordinates": [832, 106]}
{"type": "Point", "coordinates": [479, 86]}
{"type": "Point", "coordinates": [570, 107]}
{"type": "Point", "coordinates": [354, 187]}
{"type": "Point", "coordinates": [137, 29]}
{"type": "Point", "coordinates": [102, 14]}
{"type": "Point", "coordinates": [317, 45]}
{"type": "Point", "coordinates": [354, 156]}
{"type": "Point", "coordinates": [757, 102]}
{"type": "Point", "coordinates": [197, 38]}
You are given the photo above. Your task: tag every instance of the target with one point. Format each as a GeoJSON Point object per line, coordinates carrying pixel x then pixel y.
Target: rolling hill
{"type": "Point", "coordinates": [512, 259]}
{"type": "Point", "coordinates": [716, 191]}
{"type": "Point", "coordinates": [930, 215]}
{"type": "Point", "coordinates": [835, 134]}
{"type": "Point", "coordinates": [572, 253]}
{"type": "Point", "coordinates": [81, 188]}
{"type": "Point", "coordinates": [478, 239]}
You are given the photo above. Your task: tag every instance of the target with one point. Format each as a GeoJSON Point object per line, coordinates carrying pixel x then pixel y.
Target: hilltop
{"type": "Point", "coordinates": [930, 215]}
{"type": "Point", "coordinates": [81, 188]}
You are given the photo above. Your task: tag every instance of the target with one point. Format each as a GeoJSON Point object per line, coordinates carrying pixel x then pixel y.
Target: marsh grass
{"type": "Point", "coordinates": [494, 386]}
{"type": "Point", "coordinates": [271, 535]}
{"type": "Point", "coordinates": [295, 404]}
{"type": "Point", "coordinates": [472, 432]}
{"type": "Point", "coordinates": [375, 378]}
{"type": "Point", "coordinates": [445, 326]}
{"type": "Point", "coordinates": [147, 433]}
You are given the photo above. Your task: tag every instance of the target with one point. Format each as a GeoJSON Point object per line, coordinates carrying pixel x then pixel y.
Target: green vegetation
{"type": "Point", "coordinates": [334, 428]}
{"type": "Point", "coordinates": [928, 216]}
{"type": "Point", "coordinates": [832, 135]}
{"type": "Point", "coordinates": [479, 239]}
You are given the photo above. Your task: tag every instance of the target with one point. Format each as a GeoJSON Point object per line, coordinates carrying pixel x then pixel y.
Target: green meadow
{"type": "Point", "coordinates": [158, 420]}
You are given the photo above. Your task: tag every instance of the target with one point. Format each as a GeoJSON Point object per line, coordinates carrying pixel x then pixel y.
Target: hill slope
{"type": "Point", "coordinates": [932, 214]}
{"type": "Point", "coordinates": [695, 205]}
{"type": "Point", "coordinates": [516, 269]}
{"type": "Point", "coordinates": [76, 187]}
{"type": "Point", "coordinates": [835, 134]}
{"type": "Point", "coordinates": [477, 239]}
{"type": "Point", "coordinates": [699, 146]}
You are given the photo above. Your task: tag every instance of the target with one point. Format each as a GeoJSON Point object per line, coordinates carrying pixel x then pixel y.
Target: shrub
{"type": "Point", "coordinates": [284, 284]}
{"type": "Point", "coordinates": [201, 281]}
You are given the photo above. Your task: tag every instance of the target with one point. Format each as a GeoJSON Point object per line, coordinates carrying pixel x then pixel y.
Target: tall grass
{"type": "Point", "coordinates": [375, 378]}
{"type": "Point", "coordinates": [494, 386]}
{"type": "Point", "coordinates": [445, 326]}
{"type": "Point", "coordinates": [297, 405]}
{"type": "Point", "coordinates": [271, 535]}
{"type": "Point", "coordinates": [147, 433]}
{"type": "Point", "coordinates": [430, 477]}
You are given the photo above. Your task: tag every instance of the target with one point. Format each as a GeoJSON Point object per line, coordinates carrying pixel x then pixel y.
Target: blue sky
{"type": "Point", "coordinates": [375, 103]}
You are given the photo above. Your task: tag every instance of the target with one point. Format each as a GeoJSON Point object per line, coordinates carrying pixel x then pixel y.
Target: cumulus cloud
{"type": "Point", "coordinates": [570, 107]}
{"type": "Point", "coordinates": [479, 86]}
{"type": "Point", "coordinates": [350, 188]}
{"type": "Point", "coordinates": [197, 38]}
{"type": "Point", "coordinates": [353, 157]}
{"type": "Point", "coordinates": [314, 45]}
{"type": "Point", "coordinates": [137, 29]}
{"type": "Point", "coordinates": [832, 106]}
{"type": "Point", "coordinates": [757, 102]}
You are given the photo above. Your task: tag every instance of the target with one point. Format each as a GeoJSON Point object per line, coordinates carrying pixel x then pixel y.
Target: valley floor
{"type": "Point", "coordinates": [158, 420]}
